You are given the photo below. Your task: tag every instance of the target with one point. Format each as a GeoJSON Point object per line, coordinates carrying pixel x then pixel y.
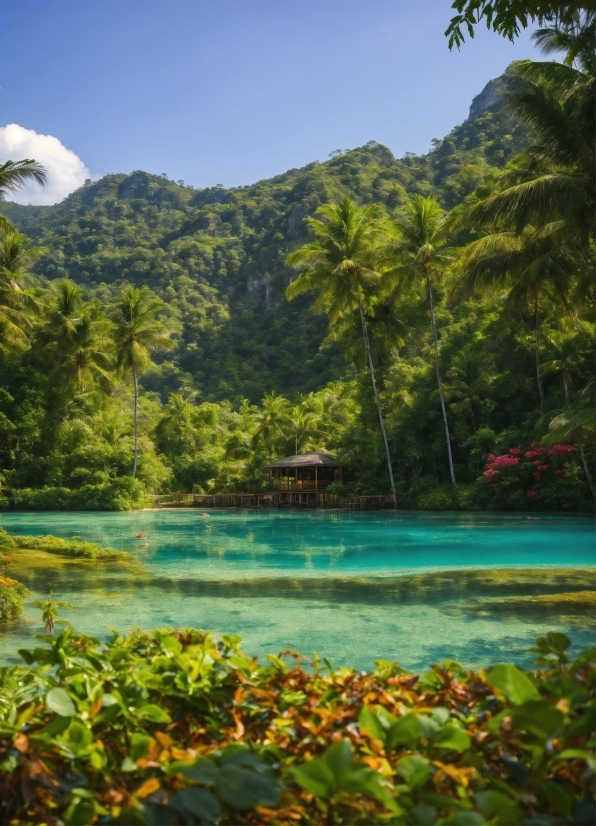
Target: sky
{"type": "Point", "coordinates": [229, 91]}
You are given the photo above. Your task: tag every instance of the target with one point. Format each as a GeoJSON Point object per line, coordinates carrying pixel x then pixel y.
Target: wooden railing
{"type": "Point", "coordinates": [273, 499]}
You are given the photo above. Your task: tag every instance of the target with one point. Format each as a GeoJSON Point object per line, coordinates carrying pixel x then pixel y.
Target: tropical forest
{"type": "Point", "coordinates": [416, 334]}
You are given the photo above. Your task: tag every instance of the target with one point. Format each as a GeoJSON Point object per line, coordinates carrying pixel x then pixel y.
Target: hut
{"type": "Point", "coordinates": [309, 471]}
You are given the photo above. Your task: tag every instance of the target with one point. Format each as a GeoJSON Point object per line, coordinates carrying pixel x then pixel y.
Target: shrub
{"type": "Point", "coordinates": [172, 727]}
{"type": "Point", "coordinates": [439, 499]}
{"type": "Point", "coordinates": [12, 598]}
{"type": "Point", "coordinates": [124, 493]}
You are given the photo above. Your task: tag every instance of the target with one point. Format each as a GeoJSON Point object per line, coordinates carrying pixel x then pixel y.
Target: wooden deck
{"type": "Point", "coordinates": [273, 499]}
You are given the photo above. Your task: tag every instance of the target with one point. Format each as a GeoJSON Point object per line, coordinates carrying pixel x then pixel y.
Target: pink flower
{"type": "Point", "coordinates": [505, 461]}
{"type": "Point", "coordinates": [490, 473]}
{"type": "Point", "coordinates": [561, 472]}
{"type": "Point", "coordinates": [560, 450]}
{"type": "Point", "coordinates": [533, 494]}
{"type": "Point", "coordinates": [515, 451]}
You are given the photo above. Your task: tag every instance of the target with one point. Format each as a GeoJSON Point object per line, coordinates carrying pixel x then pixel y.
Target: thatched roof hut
{"type": "Point", "coordinates": [307, 471]}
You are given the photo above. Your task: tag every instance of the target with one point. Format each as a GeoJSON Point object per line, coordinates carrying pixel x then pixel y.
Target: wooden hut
{"type": "Point", "coordinates": [309, 471]}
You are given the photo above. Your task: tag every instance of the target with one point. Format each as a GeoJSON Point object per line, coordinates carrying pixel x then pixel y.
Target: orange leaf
{"type": "Point", "coordinates": [21, 742]}
{"type": "Point", "coordinates": [95, 707]}
{"type": "Point", "coordinates": [148, 787]}
{"type": "Point", "coordinates": [165, 741]}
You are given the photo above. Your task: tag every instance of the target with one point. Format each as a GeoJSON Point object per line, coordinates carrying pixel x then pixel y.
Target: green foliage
{"type": "Point", "coordinates": [118, 495]}
{"type": "Point", "coordinates": [172, 727]}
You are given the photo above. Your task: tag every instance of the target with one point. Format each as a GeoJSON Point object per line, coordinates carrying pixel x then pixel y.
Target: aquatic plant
{"type": "Point", "coordinates": [174, 727]}
{"type": "Point", "coordinates": [73, 548]}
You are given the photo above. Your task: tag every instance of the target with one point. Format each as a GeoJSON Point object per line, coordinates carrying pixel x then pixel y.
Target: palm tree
{"type": "Point", "coordinates": [558, 101]}
{"type": "Point", "coordinates": [13, 176]}
{"type": "Point", "coordinates": [16, 305]}
{"type": "Point", "coordinates": [532, 264]}
{"type": "Point", "coordinates": [340, 265]}
{"type": "Point", "coordinates": [270, 419]}
{"type": "Point", "coordinates": [420, 258]}
{"type": "Point", "coordinates": [469, 382]}
{"type": "Point", "coordinates": [302, 423]}
{"type": "Point", "coordinates": [137, 334]}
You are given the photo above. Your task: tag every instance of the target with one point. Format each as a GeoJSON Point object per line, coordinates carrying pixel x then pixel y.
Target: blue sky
{"type": "Point", "coordinates": [232, 91]}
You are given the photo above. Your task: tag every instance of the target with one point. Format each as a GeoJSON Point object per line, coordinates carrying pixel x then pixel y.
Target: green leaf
{"type": "Point", "coordinates": [414, 770]}
{"type": "Point", "coordinates": [369, 723]}
{"type": "Point", "coordinates": [58, 701]}
{"type": "Point", "coordinates": [440, 715]}
{"type": "Point", "coordinates": [338, 757]}
{"type": "Point", "coordinates": [139, 745]}
{"type": "Point", "coordinates": [453, 737]}
{"type": "Point", "coordinates": [561, 801]}
{"type": "Point", "coordinates": [514, 683]}
{"type": "Point", "coordinates": [80, 813]}
{"type": "Point", "coordinates": [128, 765]}
{"type": "Point", "coordinates": [498, 808]}
{"type": "Point", "coordinates": [153, 713]}
{"type": "Point", "coordinates": [407, 731]}
{"type": "Point", "coordinates": [197, 802]}
{"type": "Point", "coordinates": [538, 717]}
{"type": "Point", "coordinates": [429, 727]}
{"type": "Point", "coordinates": [200, 770]}
{"type": "Point", "coordinates": [244, 788]}
{"type": "Point", "coordinates": [316, 777]}
{"type": "Point", "coordinates": [77, 737]}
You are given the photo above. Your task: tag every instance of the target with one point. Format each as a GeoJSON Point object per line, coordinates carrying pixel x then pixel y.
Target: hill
{"type": "Point", "coordinates": [216, 255]}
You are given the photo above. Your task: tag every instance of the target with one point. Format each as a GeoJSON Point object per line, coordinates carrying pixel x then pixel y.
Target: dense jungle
{"type": "Point", "coordinates": [136, 285]}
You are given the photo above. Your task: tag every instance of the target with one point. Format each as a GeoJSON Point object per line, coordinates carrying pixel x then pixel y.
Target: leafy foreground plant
{"type": "Point", "coordinates": [172, 727]}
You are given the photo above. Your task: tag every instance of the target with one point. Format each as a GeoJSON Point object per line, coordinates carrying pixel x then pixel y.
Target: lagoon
{"type": "Point", "coordinates": [415, 587]}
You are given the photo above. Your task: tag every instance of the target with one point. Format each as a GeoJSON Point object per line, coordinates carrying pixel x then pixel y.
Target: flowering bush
{"type": "Point", "coordinates": [539, 478]}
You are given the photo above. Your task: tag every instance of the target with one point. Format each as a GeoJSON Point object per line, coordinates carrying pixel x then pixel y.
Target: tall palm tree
{"type": "Point", "coordinates": [13, 176]}
{"type": "Point", "coordinates": [16, 306]}
{"type": "Point", "coordinates": [559, 102]}
{"type": "Point", "coordinates": [533, 266]}
{"type": "Point", "coordinates": [138, 333]}
{"type": "Point", "coordinates": [420, 258]}
{"type": "Point", "coordinates": [340, 265]}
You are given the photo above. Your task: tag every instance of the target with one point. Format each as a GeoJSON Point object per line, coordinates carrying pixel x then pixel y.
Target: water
{"type": "Point", "coordinates": [415, 587]}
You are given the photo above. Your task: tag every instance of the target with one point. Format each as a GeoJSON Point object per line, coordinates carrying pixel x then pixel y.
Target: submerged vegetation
{"type": "Point", "coordinates": [173, 727]}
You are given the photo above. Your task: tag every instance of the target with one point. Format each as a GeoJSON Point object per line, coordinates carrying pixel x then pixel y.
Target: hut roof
{"type": "Point", "coordinates": [305, 460]}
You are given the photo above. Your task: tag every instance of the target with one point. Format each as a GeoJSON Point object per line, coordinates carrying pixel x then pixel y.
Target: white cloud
{"type": "Point", "coordinates": [66, 171]}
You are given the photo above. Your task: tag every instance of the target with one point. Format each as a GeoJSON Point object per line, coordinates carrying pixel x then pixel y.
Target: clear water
{"type": "Point", "coordinates": [353, 587]}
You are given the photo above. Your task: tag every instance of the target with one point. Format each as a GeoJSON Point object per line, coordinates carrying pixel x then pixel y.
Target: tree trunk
{"type": "Point", "coordinates": [136, 425]}
{"type": "Point", "coordinates": [378, 403]}
{"type": "Point", "coordinates": [582, 452]}
{"type": "Point", "coordinates": [537, 332]}
{"type": "Point", "coordinates": [439, 382]}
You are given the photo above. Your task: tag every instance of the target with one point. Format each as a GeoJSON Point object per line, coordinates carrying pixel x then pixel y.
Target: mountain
{"type": "Point", "coordinates": [216, 255]}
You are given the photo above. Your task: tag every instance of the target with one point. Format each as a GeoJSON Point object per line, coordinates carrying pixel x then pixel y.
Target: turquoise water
{"type": "Point", "coordinates": [354, 587]}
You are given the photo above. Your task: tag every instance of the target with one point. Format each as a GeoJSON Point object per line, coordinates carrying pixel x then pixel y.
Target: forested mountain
{"type": "Point", "coordinates": [216, 256]}
{"type": "Point", "coordinates": [137, 278]}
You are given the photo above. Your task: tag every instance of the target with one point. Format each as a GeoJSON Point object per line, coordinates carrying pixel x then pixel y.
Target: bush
{"type": "Point", "coordinates": [440, 499]}
{"type": "Point", "coordinates": [124, 493]}
{"type": "Point", "coordinates": [538, 478]}
{"type": "Point", "coordinates": [12, 598]}
{"type": "Point", "coordinates": [172, 727]}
